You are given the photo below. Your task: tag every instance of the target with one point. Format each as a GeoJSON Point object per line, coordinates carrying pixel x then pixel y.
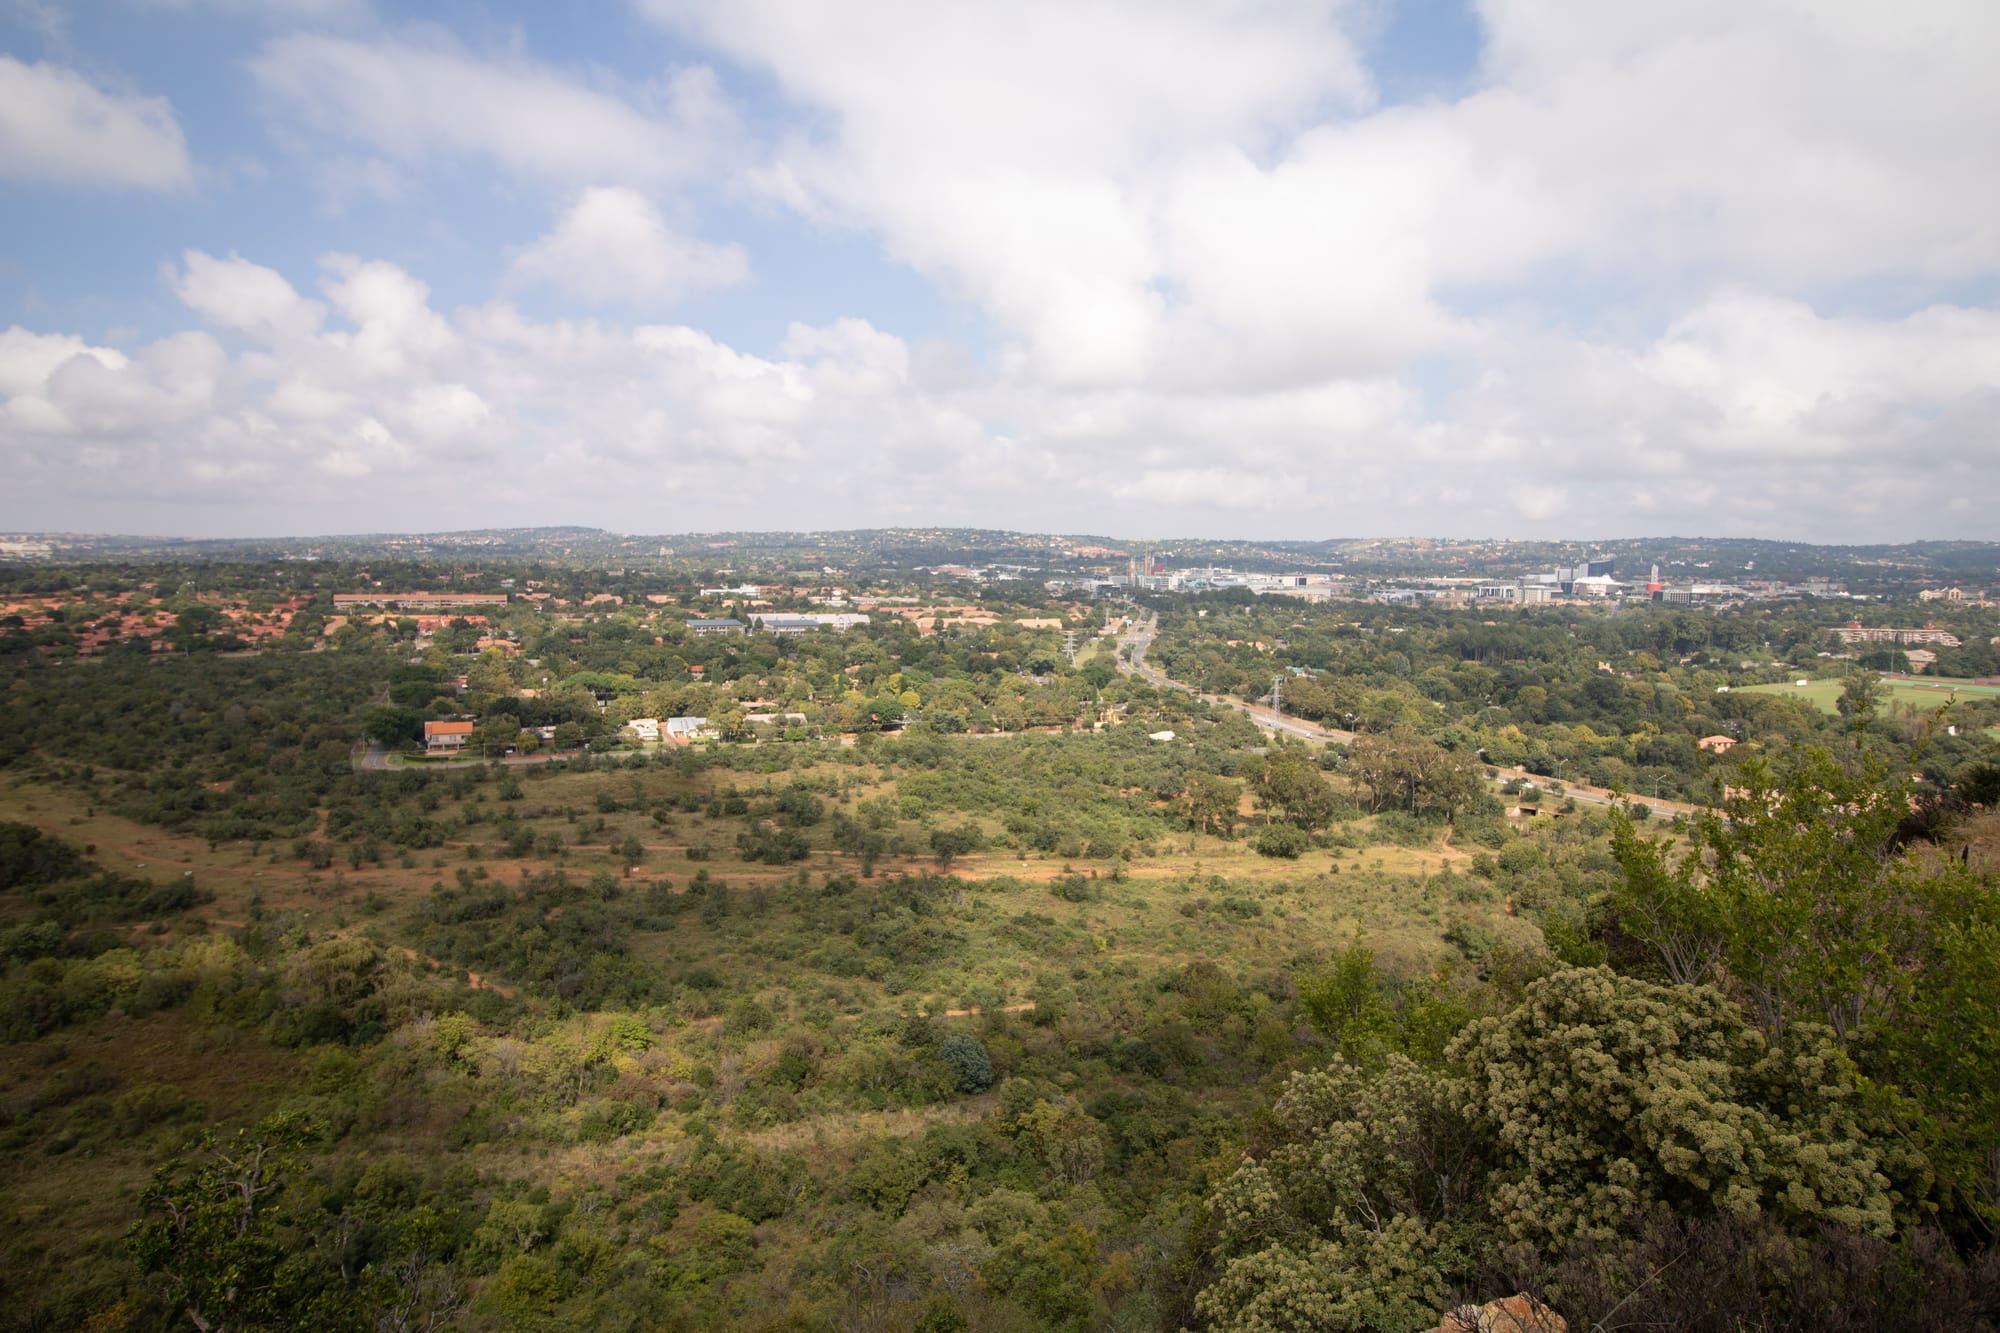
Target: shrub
{"type": "Point", "coordinates": [1282, 840]}
{"type": "Point", "coordinates": [151, 1104]}
{"type": "Point", "coordinates": [966, 1057]}
{"type": "Point", "coordinates": [1404, 829]}
{"type": "Point", "coordinates": [1074, 889]}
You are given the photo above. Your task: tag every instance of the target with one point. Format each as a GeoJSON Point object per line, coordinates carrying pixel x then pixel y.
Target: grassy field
{"type": "Point", "coordinates": [1148, 909]}
{"type": "Point", "coordinates": [1183, 950]}
{"type": "Point", "coordinates": [1824, 694]}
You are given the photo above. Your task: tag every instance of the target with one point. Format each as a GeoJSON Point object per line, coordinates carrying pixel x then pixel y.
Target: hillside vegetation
{"type": "Point", "coordinates": [971, 1003]}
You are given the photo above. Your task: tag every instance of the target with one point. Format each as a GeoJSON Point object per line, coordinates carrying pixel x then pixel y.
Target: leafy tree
{"type": "Point", "coordinates": [1404, 771]}
{"type": "Point", "coordinates": [1210, 803]}
{"type": "Point", "coordinates": [1343, 1001]}
{"type": "Point", "coordinates": [948, 844]}
{"type": "Point", "coordinates": [215, 1237]}
{"type": "Point", "coordinates": [966, 1057]}
{"type": "Point", "coordinates": [1796, 885]}
{"type": "Point", "coordinates": [1287, 841]}
{"type": "Point", "coordinates": [1797, 896]}
{"type": "Point", "coordinates": [1603, 1095]}
{"type": "Point", "coordinates": [1861, 696]}
{"type": "Point", "coordinates": [393, 726]}
{"type": "Point", "coordinates": [1597, 1102]}
{"type": "Point", "coordinates": [1289, 782]}
{"type": "Point", "coordinates": [29, 856]}
{"type": "Point", "coordinates": [1662, 904]}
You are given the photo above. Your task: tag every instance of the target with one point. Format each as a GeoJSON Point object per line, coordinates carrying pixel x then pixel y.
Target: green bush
{"type": "Point", "coordinates": [1282, 840]}
{"type": "Point", "coordinates": [966, 1057]}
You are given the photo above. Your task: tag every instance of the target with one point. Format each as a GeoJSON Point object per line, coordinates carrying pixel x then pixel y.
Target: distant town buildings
{"type": "Point", "coordinates": [1855, 632]}
{"type": "Point", "coordinates": [1588, 581]}
{"type": "Point", "coordinates": [808, 622]}
{"type": "Point", "coordinates": [418, 601]}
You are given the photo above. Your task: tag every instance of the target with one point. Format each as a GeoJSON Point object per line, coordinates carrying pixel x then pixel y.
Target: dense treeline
{"type": "Point", "coordinates": [1615, 698]}
{"type": "Point", "coordinates": [222, 748]}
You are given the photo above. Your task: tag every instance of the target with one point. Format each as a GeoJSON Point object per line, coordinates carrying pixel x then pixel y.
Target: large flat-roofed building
{"type": "Point", "coordinates": [419, 601]}
{"type": "Point", "coordinates": [806, 622]}
{"type": "Point", "coordinates": [728, 625]}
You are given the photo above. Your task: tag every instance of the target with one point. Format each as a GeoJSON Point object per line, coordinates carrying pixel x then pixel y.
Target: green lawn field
{"type": "Point", "coordinates": [1823, 694]}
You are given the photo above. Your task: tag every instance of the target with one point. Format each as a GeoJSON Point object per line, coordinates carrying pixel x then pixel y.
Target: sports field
{"type": "Point", "coordinates": [1824, 693]}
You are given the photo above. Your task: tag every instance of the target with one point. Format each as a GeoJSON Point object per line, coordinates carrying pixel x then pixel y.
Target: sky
{"type": "Point", "coordinates": [1230, 268]}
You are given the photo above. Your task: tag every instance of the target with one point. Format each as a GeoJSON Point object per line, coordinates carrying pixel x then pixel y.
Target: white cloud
{"type": "Point", "coordinates": [1204, 488]}
{"type": "Point", "coordinates": [1538, 503]}
{"type": "Point", "coordinates": [55, 125]}
{"type": "Point", "coordinates": [240, 295]}
{"type": "Point", "coordinates": [614, 247]}
{"type": "Point", "coordinates": [480, 404]}
{"type": "Point", "coordinates": [413, 100]}
{"type": "Point", "coordinates": [1205, 195]}
{"type": "Point", "coordinates": [396, 333]}
{"type": "Point", "coordinates": [1023, 155]}
{"type": "Point", "coordinates": [1708, 267]}
{"type": "Point", "coordinates": [28, 359]}
{"type": "Point", "coordinates": [1748, 414]}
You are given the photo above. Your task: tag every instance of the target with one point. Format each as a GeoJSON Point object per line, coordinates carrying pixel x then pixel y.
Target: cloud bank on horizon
{"type": "Point", "coordinates": [1233, 267]}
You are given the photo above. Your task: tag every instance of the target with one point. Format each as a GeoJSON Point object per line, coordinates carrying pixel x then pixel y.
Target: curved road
{"type": "Point", "coordinates": [376, 759]}
{"type": "Point", "coordinates": [1140, 637]}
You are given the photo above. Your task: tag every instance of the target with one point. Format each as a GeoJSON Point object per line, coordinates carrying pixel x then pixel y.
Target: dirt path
{"type": "Point", "coordinates": [1025, 1006]}
{"type": "Point", "coordinates": [472, 979]}
{"type": "Point", "coordinates": [836, 1127]}
{"type": "Point", "coordinates": [1022, 1007]}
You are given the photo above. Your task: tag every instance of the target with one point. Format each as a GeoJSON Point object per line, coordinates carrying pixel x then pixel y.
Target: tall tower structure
{"type": "Point", "coordinates": [1654, 592]}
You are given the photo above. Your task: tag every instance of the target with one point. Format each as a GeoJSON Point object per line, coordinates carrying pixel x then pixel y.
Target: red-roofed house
{"type": "Point", "coordinates": [446, 735]}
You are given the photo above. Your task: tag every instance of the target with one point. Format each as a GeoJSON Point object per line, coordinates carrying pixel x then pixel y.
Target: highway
{"type": "Point", "coordinates": [1140, 637]}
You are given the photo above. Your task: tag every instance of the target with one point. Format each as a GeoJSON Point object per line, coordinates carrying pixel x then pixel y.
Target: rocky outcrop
{"type": "Point", "coordinates": [1511, 1314]}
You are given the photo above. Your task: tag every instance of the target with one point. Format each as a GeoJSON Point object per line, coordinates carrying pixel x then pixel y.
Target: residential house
{"type": "Point", "coordinates": [443, 736]}
{"type": "Point", "coordinates": [681, 730]}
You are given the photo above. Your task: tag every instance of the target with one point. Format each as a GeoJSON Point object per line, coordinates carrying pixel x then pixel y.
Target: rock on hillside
{"type": "Point", "coordinates": [1510, 1314]}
